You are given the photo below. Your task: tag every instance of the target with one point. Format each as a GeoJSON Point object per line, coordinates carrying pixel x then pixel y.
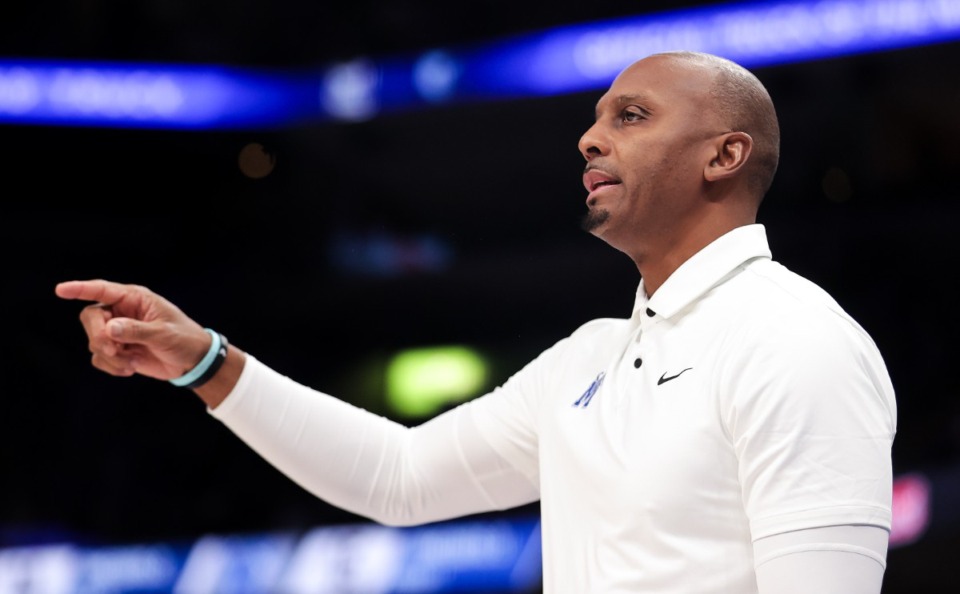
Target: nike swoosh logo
{"type": "Point", "coordinates": [664, 379]}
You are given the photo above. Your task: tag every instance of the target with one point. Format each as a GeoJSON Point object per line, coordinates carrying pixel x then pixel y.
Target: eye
{"type": "Point", "coordinates": [633, 114]}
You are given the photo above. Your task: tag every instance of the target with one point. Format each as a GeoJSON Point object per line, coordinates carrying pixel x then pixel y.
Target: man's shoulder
{"type": "Point", "coordinates": [595, 335]}
{"type": "Point", "coordinates": [773, 287]}
{"type": "Point", "coordinates": [600, 326]}
{"type": "Point", "coordinates": [777, 304]}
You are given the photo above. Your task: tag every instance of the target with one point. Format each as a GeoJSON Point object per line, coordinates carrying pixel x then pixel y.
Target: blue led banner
{"type": "Point", "coordinates": [151, 96]}
{"type": "Point", "coordinates": [562, 60]}
{"type": "Point", "coordinates": [499, 555]}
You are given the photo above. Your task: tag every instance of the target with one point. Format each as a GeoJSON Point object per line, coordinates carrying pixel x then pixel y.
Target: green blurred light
{"type": "Point", "coordinates": [420, 382]}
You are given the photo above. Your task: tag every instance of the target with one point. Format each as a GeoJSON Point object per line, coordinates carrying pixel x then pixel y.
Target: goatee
{"type": "Point", "coordinates": [593, 219]}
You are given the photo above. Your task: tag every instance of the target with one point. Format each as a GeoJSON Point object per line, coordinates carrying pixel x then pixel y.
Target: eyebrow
{"type": "Point", "coordinates": [620, 100]}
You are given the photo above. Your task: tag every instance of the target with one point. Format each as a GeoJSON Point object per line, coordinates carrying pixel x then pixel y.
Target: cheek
{"type": "Point", "coordinates": [677, 174]}
{"type": "Point", "coordinates": [649, 178]}
{"type": "Point", "coordinates": [659, 190]}
{"type": "Point", "coordinates": [656, 174]}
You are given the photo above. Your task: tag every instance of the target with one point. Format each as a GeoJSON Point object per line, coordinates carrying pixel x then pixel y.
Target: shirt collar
{"type": "Point", "coordinates": [704, 270]}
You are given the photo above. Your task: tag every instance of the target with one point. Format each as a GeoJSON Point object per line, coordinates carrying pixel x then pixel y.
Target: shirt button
{"type": "Point", "coordinates": [650, 312]}
{"type": "Point", "coordinates": [637, 362]}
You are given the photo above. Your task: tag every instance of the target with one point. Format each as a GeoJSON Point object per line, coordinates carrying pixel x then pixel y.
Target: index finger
{"type": "Point", "coordinates": [101, 291]}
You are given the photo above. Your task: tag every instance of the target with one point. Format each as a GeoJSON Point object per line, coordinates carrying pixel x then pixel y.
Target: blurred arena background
{"type": "Point", "coordinates": [358, 206]}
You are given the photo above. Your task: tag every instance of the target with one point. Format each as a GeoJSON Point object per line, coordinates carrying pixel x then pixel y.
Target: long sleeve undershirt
{"type": "Point", "coordinates": [368, 464]}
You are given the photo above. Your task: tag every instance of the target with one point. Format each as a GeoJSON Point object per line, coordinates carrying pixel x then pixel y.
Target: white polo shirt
{"type": "Point", "coordinates": [739, 402]}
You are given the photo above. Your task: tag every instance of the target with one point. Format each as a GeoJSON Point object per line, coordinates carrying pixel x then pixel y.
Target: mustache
{"type": "Point", "coordinates": [596, 167]}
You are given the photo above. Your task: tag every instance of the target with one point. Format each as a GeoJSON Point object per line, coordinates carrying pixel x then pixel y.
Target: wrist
{"type": "Point", "coordinates": [208, 366]}
{"type": "Point", "coordinates": [214, 392]}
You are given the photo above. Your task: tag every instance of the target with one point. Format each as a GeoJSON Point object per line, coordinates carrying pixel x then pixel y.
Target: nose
{"type": "Point", "coordinates": [592, 143]}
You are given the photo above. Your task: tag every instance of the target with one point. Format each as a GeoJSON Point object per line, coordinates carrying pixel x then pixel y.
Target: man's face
{"type": "Point", "coordinates": [646, 154]}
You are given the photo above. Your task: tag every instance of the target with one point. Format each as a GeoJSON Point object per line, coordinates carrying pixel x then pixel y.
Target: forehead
{"type": "Point", "coordinates": [659, 81]}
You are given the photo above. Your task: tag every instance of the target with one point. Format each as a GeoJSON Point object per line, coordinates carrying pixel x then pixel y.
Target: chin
{"type": "Point", "coordinates": [593, 220]}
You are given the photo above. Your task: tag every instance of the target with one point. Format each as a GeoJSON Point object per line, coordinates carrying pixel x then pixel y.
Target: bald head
{"type": "Point", "coordinates": [741, 103]}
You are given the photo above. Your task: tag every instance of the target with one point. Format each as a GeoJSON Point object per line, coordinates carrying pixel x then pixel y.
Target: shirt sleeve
{"type": "Point", "coordinates": [828, 560]}
{"type": "Point", "coordinates": [811, 414]}
{"type": "Point", "coordinates": [368, 464]}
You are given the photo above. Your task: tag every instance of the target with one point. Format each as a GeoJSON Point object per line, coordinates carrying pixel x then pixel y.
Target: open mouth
{"type": "Point", "coordinates": [594, 179]}
{"type": "Point", "coordinates": [600, 184]}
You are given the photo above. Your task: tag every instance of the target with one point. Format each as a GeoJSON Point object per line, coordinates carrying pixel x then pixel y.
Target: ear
{"type": "Point", "coordinates": [731, 151]}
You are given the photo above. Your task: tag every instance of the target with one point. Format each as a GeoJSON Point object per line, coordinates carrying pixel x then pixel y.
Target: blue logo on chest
{"type": "Point", "coordinates": [587, 396]}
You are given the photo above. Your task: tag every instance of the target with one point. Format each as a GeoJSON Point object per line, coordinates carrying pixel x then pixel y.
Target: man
{"type": "Point", "coordinates": [733, 435]}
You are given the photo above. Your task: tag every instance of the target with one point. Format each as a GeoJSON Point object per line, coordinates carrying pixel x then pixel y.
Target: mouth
{"type": "Point", "coordinates": [595, 179]}
{"type": "Point", "coordinates": [601, 184]}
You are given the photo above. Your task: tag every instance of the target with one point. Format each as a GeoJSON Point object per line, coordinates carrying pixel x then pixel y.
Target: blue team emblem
{"type": "Point", "coordinates": [587, 396]}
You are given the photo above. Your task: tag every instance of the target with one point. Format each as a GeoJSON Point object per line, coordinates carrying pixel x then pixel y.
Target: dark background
{"type": "Point", "coordinates": [865, 203]}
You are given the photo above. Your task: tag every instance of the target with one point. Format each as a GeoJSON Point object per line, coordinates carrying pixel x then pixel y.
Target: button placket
{"type": "Point", "coordinates": [637, 360]}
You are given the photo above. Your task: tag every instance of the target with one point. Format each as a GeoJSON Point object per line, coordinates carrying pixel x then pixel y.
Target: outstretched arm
{"type": "Point", "coordinates": [368, 464]}
{"type": "Point", "coordinates": [345, 455]}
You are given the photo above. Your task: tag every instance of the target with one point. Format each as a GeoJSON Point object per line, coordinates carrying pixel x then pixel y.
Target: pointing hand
{"type": "Point", "coordinates": [130, 330]}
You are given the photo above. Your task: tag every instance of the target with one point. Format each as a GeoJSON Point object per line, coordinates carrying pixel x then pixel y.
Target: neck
{"type": "Point", "coordinates": [656, 265]}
